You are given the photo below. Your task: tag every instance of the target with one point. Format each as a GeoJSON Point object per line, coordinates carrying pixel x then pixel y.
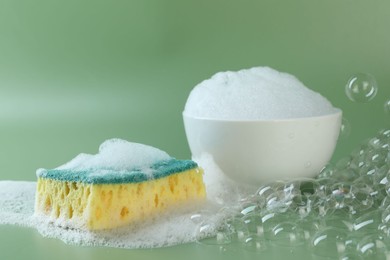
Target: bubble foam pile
{"type": "Point", "coordinates": [344, 213]}
{"type": "Point", "coordinates": [258, 93]}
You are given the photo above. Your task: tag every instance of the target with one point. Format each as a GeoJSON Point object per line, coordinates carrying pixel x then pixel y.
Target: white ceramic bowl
{"type": "Point", "coordinates": [265, 150]}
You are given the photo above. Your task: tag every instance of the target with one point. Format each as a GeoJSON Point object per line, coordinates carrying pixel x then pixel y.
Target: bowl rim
{"type": "Point", "coordinates": [337, 112]}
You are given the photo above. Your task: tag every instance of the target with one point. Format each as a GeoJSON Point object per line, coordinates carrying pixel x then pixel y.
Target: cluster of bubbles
{"type": "Point", "coordinates": [342, 213]}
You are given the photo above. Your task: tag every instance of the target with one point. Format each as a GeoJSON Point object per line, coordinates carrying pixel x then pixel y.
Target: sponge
{"type": "Point", "coordinates": [86, 193]}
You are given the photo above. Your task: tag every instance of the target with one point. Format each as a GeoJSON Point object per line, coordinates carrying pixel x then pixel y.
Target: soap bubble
{"type": "Point", "coordinates": [387, 188]}
{"type": "Point", "coordinates": [327, 171]}
{"type": "Point", "coordinates": [373, 247]}
{"type": "Point", "coordinates": [350, 245]}
{"type": "Point", "coordinates": [265, 191]}
{"type": "Point", "coordinates": [329, 243]}
{"type": "Point", "coordinates": [367, 223]}
{"type": "Point", "coordinates": [341, 195]}
{"type": "Point", "coordinates": [386, 216]}
{"type": "Point", "coordinates": [343, 163]}
{"type": "Point", "coordinates": [253, 223]}
{"type": "Point", "coordinates": [385, 202]}
{"type": "Point", "coordinates": [301, 206]}
{"type": "Point", "coordinates": [345, 128]}
{"type": "Point", "coordinates": [323, 189]}
{"type": "Point", "coordinates": [271, 219]}
{"type": "Point", "coordinates": [309, 226]}
{"type": "Point", "coordinates": [387, 107]}
{"type": "Point", "coordinates": [287, 234]}
{"type": "Point", "coordinates": [384, 230]}
{"type": "Point", "coordinates": [361, 88]}
{"type": "Point", "coordinates": [213, 234]}
{"type": "Point", "coordinates": [239, 229]}
{"type": "Point", "coordinates": [255, 244]}
{"type": "Point", "coordinates": [384, 139]}
{"type": "Point", "coordinates": [362, 201]}
{"type": "Point", "coordinates": [249, 207]}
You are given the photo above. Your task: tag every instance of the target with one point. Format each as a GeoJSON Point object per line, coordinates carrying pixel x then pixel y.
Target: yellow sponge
{"type": "Point", "coordinates": [114, 188]}
{"type": "Point", "coordinates": [103, 206]}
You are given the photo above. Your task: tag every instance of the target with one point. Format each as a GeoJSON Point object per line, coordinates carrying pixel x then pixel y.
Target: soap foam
{"type": "Point", "coordinates": [255, 94]}
{"type": "Point", "coordinates": [171, 228]}
{"type": "Point", "coordinates": [17, 202]}
{"type": "Point", "coordinates": [119, 155]}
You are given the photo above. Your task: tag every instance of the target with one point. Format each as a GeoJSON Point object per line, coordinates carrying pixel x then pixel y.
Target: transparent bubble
{"type": "Point", "coordinates": [387, 107]}
{"type": "Point", "coordinates": [368, 169]}
{"type": "Point", "coordinates": [326, 172]}
{"type": "Point", "coordinates": [249, 207]}
{"type": "Point", "coordinates": [324, 186]}
{"type": "Point", "coordinates": [387, 188]}
{"type": "Point", "coordinates": [254, 224]}
{"type": "Point", "coordinates": [373, 247]}
{"type": "Point", "coordinates": [351, 244]}
{"type": "Point", "coordinates": [343, 163]}
{"type": "Point", "coordinates": [278, 201]}
{"type": "Point", "coordinates": [384, 230]}
{"type": "Point", "coordinates": [287, 234]}
{"type": "Point", "coordinates": [361, 87]}
{"type": "Point", "coordinates": [346, 175]}
{"type": "Point", "coordinates": [367, 223]}
{"type": "Point", "coordinates": [377, 157]}
{"type": "Point", "coordinates": [322, 207]}
{"type": "Point", "coordinates": [386, 216]}
{"type": "Point", "coordinates": [213, 234]}
{"type": "Point", "coordinates": [385, 202]}
{"type": "Point", "coordinates": [369, 183]}
{"type": "Point", "coordinates": [309, 226]}
{"type": "Point", "coordinates": [384, 133]}
{"type": "Point", "coordinates": [362, 201]}
{"type": "Point", "coordinates": [359, 157]}
{"type": "Point", "coordinates": [264, 192]}
{"type": "Point", "coordinates": [296, 187]}
{"type": "Point", "coordinates": [345, 128]}
{"type": "Point", "coordinates": [382, 176]}
{"type": "Point", "coordinates": [271, 219]}
{"type": "Point", "coordinates": [255, 244]}
{"type": "Point", "coordinates": [339, 218]}
{"type": "Point", "coordinates": [380, 142]}
{"type": "Point", "coordinates": [384, 136]}
{"type": "Point", "coordinates": [239, 229]}
{"type": "Point", "coordinates": [341, 195]}
{"type": "Point", "coordinates": [329, 243]}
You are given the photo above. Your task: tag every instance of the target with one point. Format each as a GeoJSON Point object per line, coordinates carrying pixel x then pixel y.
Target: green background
{"type": "Point", "coordinates": [74, 73]}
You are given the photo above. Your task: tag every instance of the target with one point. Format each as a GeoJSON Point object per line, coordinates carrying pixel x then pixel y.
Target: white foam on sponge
{"type": "Point", "coordinates": [117, 154]}
{"type": "Point", "coordinates": [258, 93]}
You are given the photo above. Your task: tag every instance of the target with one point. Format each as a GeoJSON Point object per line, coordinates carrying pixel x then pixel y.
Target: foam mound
{"type": "Point", "coordinates": [258, 93]}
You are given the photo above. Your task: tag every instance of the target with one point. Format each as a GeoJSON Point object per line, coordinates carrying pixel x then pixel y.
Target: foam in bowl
{"type": "Point", "coordinates": [259, 93]}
